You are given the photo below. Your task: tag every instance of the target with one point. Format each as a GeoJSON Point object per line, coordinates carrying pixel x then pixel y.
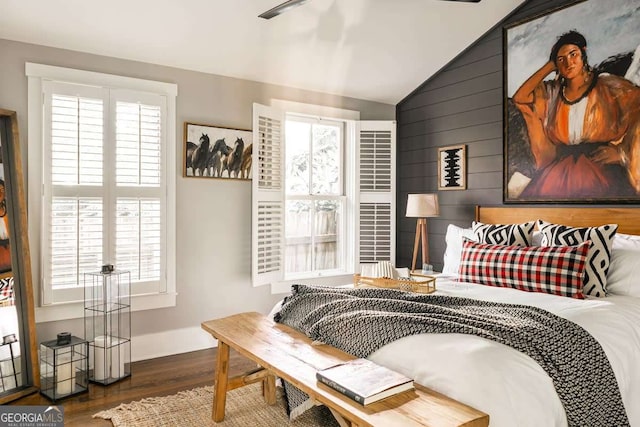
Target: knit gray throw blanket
{"type": "Point", "coordinates": [360, 321]}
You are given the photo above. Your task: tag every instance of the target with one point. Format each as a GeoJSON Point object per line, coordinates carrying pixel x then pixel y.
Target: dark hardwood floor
{"type": "Point", "coordinates": [154, 377]}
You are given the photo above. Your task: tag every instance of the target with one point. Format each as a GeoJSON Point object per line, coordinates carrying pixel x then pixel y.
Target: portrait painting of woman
{"type": "Point", "coordinates": [573, 131]}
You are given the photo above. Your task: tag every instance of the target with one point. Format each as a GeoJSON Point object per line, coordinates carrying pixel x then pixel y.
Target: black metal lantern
{"type": "Point", "coordinates": [64, 368]}
{"type": "Point", "coordinates": [10, 368]}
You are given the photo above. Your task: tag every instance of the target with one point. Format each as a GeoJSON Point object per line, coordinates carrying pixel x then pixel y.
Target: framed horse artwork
{"type": "Point", "coordinates": [217, 152]}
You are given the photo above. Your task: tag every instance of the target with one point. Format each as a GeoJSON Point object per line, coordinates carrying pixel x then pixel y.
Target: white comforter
{"type": "Point", "coordinates": [508, 385]}
{"type": "Point", "coordinates": [8, 325]}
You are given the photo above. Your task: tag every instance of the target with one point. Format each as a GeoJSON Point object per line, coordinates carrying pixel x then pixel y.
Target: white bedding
{"type": "Point", "coordinates": [8, 325]}
{"type": "Point", "coordinates": [508, 385]}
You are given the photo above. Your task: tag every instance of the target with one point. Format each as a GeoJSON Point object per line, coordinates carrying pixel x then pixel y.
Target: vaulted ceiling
{"type": "Point", "coordinates": [377, 50]}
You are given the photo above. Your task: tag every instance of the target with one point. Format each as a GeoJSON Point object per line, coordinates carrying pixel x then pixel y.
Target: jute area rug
{"type": "Point", "coordinates": [245, 408]}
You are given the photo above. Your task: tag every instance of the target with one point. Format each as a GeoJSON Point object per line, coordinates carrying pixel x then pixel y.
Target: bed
{"type": "Point", "coordinates": [507, 384]}
{"type": "Point", "coordinates": [8, 347]}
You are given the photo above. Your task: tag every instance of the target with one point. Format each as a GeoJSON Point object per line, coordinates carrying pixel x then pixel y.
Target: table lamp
{"type": "Point", "coordinates": [422, 206]}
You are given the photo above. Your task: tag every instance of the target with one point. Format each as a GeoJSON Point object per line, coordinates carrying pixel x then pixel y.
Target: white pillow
{"type": "Point", "coordinates": [453, 251]}
{"type": "Point", "coordinates": [624, 272]}
{"type": "Point", "coordinates": [536, 238]}
{"type": "Point", "coordinates": [626, 241]}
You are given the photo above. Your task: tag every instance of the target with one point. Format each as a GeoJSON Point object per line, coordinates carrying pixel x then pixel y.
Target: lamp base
{"type": "Point", "coordinates": [421, 237]}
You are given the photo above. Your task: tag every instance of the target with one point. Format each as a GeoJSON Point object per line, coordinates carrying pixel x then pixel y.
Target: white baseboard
{"type": "Point", "coordinates": [171, 342]}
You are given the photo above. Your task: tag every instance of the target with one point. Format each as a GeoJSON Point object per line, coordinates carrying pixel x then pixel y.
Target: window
{"type": "Point", "coordinates": [323, 195]}
{"type": "Point", "coordinates": [106, 161]}
{"type": "Point", "coordinates": [314, 194]}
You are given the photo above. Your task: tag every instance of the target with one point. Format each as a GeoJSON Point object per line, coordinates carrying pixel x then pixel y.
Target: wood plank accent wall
{"type": "Point", "coordinates": [461, 104]}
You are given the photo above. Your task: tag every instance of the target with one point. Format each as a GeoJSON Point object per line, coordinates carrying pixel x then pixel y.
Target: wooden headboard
{"type": "Point", "coordinates": [628, 219]}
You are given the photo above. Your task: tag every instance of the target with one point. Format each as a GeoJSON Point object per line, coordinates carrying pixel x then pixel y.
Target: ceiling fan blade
{"type": "Point", "coordinates": [281, 8]}
{"type": "Point", "coordinates": [290, 4]}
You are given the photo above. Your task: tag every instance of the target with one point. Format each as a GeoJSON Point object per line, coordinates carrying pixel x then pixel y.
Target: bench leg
{"type": "Point", "coordinates": [269, 389]}
{"type": "Point", "coordinates": [341, 420]}
{"type": "Point", "coordinates": [220, 388]}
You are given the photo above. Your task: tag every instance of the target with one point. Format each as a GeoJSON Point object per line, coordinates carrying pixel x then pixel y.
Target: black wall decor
{"type": "Point", "coordinates": [452, 170]}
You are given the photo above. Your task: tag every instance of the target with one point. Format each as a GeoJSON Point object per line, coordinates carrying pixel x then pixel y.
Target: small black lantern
{"type": "Point", "coordinates": [10, 375]}
{"type": "Point", "coordinates": [64, 368]}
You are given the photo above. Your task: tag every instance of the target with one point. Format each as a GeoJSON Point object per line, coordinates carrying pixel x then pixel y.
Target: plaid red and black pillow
{"type": "Point", "coordinates": [554, 270]}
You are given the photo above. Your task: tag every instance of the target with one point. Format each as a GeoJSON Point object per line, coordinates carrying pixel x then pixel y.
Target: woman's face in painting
{"type": "Point", "coordinates": [569, 61]}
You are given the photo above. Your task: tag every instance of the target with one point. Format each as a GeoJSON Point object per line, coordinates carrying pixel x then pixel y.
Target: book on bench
{"type": "Point", "coordinates": [364, 381]}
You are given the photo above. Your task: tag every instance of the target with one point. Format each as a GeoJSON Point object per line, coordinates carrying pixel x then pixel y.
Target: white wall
{"type": "Point", "coordinates": [214, 216]}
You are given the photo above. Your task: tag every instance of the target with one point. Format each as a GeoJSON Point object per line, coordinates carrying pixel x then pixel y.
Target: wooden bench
{"type": "Point", "coordinates": [284, 352]}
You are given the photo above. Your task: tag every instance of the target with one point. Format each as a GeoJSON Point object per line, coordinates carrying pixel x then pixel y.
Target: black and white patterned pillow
{"type": "Point", "coordinates": [504, 234]}
{"type": "Point", "coordinates": [598, 258]}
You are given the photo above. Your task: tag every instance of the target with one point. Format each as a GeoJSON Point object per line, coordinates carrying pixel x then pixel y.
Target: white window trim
{"type": "Point", "coordinates": [315, 110]}
{"type": "Point", "coordinates": [36, 73]}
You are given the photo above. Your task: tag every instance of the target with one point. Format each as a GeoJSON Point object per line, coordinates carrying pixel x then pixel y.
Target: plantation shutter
{"type": "Point", "coordinates": [73, 214]}
{"type": "Point", "coordinates": [267, 217]}
{"type": "Point", "coordinates": [376, 191]}
{"type": "Point", "coordinates": [137, 198]}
